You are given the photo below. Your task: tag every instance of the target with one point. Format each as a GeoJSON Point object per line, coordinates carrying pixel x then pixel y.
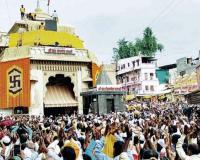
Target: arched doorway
{"type": "Point", "coordinates": [59, 97]}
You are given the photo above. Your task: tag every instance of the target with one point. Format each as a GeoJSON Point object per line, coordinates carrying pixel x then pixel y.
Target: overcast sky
{"type": "Point", "coordinates": [100, 23]}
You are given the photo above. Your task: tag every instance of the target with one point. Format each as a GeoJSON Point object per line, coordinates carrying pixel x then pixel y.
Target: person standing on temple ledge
{"type": "Point", "coordinates": [22, 11]}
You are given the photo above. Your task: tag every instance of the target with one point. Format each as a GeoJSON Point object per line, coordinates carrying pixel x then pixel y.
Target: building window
{"type": "Point", "coordinates": [128, 64]}
{"type": "Point", "coordinates": [122, 66]}
{"type": "Point", "coordinates": [133, 64]}
{"type": "Point", "coordinates": [138, 62]}
{"type": "Point", "coordinates": [151, 88]}
{"type": "Point", "coordinates": [146, 88]}
{"type": "Point", "coordinates": [121, 80]}
{"type": "Point", "coordinates": [134, 79]}
{"type": "Point", "coordinates": [151, 76]}
{"type": "Point", "coordinates": [127, 79]}
{"type": "Point", "coordinates": [182, 73]}
{"type": "Point", "coordinates": [189, 60]}
{"type": "Point", "coordinates": [145, 76]}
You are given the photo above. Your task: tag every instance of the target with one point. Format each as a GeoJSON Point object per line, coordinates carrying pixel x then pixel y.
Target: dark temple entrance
{"type": "Point", "coordinates": [110, 105]}
{"type": "Point", "coordinates": [60, 98]}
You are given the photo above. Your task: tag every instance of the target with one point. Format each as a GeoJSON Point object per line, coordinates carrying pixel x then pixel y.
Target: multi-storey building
{"type": "Point", "coordinates": [137, 75]}
{"type": "Point", "coordinates": [186, 80]}
{"type": "Point", "coordinates": [186, 65]}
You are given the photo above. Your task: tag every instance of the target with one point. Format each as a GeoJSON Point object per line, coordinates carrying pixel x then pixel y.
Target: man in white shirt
{"type": "Point", "coordinates": [193, 150]}
{"type": "Point", "coordinates": [55, 16]}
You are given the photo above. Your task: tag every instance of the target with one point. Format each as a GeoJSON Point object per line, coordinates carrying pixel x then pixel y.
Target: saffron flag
{"type": "Point", "coordinates": [95, 73]}
{"type": "Point", "coordinates": [15, 83]}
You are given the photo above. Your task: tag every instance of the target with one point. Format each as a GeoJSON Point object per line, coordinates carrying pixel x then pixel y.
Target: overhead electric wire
{"type": "Point", "coordinates": [170, 4]}
{"type": "Point", "coordinates": [162, 11]}
{"type": "Point", "coordinates": [165, 13]}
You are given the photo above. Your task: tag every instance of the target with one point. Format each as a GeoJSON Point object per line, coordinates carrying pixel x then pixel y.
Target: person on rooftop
{"type": "Point", "coordinates": [55, 16]}
{"type": "Point", "coordinates": [41, 27]}
{"type": "Point", "coordinates": [22, 11]}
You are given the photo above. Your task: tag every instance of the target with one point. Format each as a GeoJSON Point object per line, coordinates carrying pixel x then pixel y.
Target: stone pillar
{"type": "Point", "coordinates": [119, 106]}
{"type": "Point", "coordinates": [37, 93]}
{"type": "Point", "coordinates": [102, 104]}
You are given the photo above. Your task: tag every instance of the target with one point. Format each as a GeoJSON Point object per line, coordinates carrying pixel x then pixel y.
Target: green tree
{"type": "Point", "coordinates": [125, 49]}
{"type": "Point", "coordinates": [148, 46]}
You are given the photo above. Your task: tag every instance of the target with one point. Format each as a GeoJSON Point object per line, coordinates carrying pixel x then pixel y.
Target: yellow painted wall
{"type": "Point", "coordinates": [43, 37]}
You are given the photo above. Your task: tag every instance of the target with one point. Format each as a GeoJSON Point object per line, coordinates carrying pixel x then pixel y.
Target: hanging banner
{"type": "Point", "coordinates": [187, 83]}
{"type": "Point", "coordinates": [15, 84]}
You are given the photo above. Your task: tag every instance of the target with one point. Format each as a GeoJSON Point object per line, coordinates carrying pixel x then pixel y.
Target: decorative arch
{"type": "Point", "coordinates": [60, 79]}
{"type": "Point", "coordinates": [69, 78]}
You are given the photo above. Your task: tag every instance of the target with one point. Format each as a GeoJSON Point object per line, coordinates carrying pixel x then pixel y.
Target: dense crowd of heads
{"type": "Point", "coordinates": [170, 131]}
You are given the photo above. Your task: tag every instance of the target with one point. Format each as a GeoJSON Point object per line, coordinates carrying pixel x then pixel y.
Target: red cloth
{"type": "Point", "coordinates": [7, 122]}
{"type": "Point", "coordinates": [135, 156]}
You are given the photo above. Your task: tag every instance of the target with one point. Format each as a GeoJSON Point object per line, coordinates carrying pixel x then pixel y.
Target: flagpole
{"type": "Point", "coordinates": [38, 4]}
{"type": "Point", "coordinates": [48, 4]}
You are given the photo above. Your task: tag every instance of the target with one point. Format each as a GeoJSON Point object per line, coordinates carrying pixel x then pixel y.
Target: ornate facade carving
{"type": "Point", "coordinates": [45, 65]}
{"type": "Point", "coordinates": [77, 71]}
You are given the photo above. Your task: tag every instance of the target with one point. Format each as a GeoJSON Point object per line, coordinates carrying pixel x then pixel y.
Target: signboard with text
{"type": "Point", "coordinates": [187, 83]}
{"type": "Point", "coordinates": [109, 88]}
{"type": "Point", "coordinates": [186, 89]}
{"type": "Point", "coordinates": [59, 50]}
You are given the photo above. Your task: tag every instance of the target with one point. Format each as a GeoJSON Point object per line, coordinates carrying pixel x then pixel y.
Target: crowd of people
{"type": "Point", "coordinates": [147, 133]}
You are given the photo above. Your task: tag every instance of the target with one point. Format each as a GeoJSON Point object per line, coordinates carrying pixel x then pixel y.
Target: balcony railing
{"type": "Point", "coordinates": [132, 68]}
{"type": "Point", "coordinates": [131, 83]}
